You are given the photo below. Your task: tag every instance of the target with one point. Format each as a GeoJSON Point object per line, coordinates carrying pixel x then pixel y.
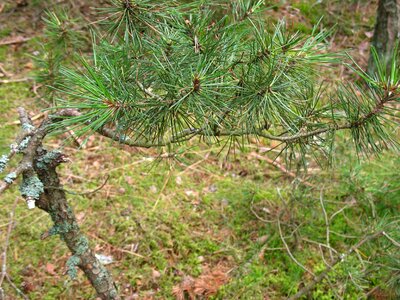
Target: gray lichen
{"type": "Point", "coordinates": [3, 162]}
{"type": "Point", "coordinates": [113, 294]}
{"type": "Point", "coordinates": [72, 263]}
{"type": "Point", "coordinates": [10, 177]}
{"type": "Point", "coordinates": [82, 245]}
{"type": "Point", "coordinates": [101, 281]}
{"type": "Point", "coordinates": [63, 228]}
{"type": "Point", "coordinates": [22, 146]}
{"type": "Point", "coordinates": [47, 159]}
{"type": "Point", "coordinates": [31, 187]}
{"type": "Point", "coordinates": [27, 127]}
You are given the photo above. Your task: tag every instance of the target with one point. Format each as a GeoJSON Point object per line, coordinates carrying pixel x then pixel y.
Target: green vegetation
{"type": "Point", "coordinates": [163, 220]}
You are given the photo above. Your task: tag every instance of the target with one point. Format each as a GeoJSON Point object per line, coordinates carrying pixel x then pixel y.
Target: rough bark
{"type": "Point", "coordinates": [54, 202]}
{"type": "Point", "coordinates": [387, 30]}
{"type": "Point", "coordinates": [41, 184]}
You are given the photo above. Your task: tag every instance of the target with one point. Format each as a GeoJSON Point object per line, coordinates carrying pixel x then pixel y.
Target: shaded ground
{"type": "Point", "coordinates": [201, 225]}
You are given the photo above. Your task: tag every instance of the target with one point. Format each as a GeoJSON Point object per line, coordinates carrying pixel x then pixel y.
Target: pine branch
{"type": "Point", "coordinates": [190, 133]}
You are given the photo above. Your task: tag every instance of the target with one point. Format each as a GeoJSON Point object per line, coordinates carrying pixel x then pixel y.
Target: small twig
{"type": "Point", "coordinates": [116, 248]}
{"type": "Point", "coordinates": [162, 190]}
{"type": "Point", "coordinates": [34, 118]}
{"type": "Point", "coordinates": [308, 288]}
{"type": "Point", "coordinates": [338, 212]}
{"type": "Point", "coordinates": [323, 256]}
{"type": "Point", "coordinates": [394, 242]}
{"type": "Point", "coordinates": [24, 79]}
{"type": "Point", "coordinates": [327, 225]}
{"type": "Point", "coordinates": [16, 288]}
{"type": "Point", "coordinates": [282, 168]}
{"type": "Point", "coordinates": [84, 193]}
{"type": "Point", "coordinates": [4, 185]}
{"type": "Point", "coordinates": [290, 252]}
{"type": "Point", "coordinates": [5, 248]}
{"type": "Point", "coordinates": [370, 292]}
{"type": "Point", "coordinates": [16, 40]}
{"type": "Point", "coordinates": [4, 71]}
{"type": "Point", "coordinates": [319, 244]}
{"type": "Point", "coordinates": [257, 216]}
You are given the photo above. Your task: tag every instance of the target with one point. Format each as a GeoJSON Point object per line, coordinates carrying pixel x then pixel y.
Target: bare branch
{"type": "Point", "coordinates": [309, 287]}
{"type": "Point", "coordinates": [327, 225]}
{"type": "Point", "coordinates": [5, 81]}
{"type": "Point", "coordinates": [394, 242]}
{"type": "Point", "coordinates": [5, 248]}
{"type": "Point", "coordinates": [290, 252]}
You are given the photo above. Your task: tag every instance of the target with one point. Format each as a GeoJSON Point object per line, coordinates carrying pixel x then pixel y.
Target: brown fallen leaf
{"type": "Point", "coordinates": [50, 268]}
{"type": "Point", "coordinates": [205, 286]}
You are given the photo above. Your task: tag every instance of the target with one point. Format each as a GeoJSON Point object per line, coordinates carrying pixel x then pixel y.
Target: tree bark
{"type": "Point", "coordinates": [387, 31]}
{"type": "Point", "coordinates": [41, 185]}
{"type": "Point", "coordinates": [54, 202]}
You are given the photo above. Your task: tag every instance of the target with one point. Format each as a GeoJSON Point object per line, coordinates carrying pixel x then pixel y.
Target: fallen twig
{"type": "Point", "coordinates": [83, 193]}
{"type": "Point", "coordinates": [309, 287]}
{"type": "Point", "coordinates": [16, 288]}
{"type": "Point", "coordinates": [290, 252]}
{"type": "Point", "coordinates": [116, 248]}
{"type": "Point", "coordinates": [5, 248]}
{"type": "Point", "coordinates": [5, 73]}
{"type": "Point", "coordinates": [327, 225]}
{"type": "Point", "coordinates": [24, 79]}
{"type": "Point", "coordinates": [281, 167]}
{"type": "Point", "coordinates": [34, 118]}
{"type": "Point", "coordinates": [15, 40]}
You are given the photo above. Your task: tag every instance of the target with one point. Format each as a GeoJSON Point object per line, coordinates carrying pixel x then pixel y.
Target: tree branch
{"type": "Point", "coordinates": [309, 287]}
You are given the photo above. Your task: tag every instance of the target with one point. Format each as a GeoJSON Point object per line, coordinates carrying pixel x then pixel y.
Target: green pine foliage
{"type": "Point", "coordinates": [164, 72]}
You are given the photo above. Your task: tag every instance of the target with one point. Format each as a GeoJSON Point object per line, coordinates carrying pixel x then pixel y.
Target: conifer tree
{"type": "Point", "coordinates": [162, 73]}
{"type": "Point", "coordinates": [386, 33]}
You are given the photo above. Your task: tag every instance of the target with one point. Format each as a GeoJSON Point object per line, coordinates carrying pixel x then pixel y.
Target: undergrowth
{"type": "Point", "coordinates": [203, 217]}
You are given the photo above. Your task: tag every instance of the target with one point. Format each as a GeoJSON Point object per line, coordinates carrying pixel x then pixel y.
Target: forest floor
{"type": "Point", "coordinates": [240, 227]}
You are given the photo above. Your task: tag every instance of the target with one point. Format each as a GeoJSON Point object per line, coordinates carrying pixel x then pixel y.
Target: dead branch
{"type": "Point", "coordinates": [10, 282]}
{"type": "Point", "coordinates": [15, 40]}
{"type": "Point", "coordinates": [5, 248]}
{"type": "Point", "coordinates": [327, 225]}
{"type": "Point", "coordinates": [282, 168]}
{"type": "Point", "coordinates": [309, 287]}
{"type": "Point", "coordinates": [290, 252]}
{"type": "Point", "coordinates": [24, 79]}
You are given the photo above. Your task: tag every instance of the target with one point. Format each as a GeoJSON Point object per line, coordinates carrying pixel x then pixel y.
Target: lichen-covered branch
{"type": "Point", "coordinates": [54, 201]}
{"type": "Point", "coordinates": [41, 188]}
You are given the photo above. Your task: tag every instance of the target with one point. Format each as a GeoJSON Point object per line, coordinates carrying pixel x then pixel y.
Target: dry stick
{"type": "Point", "coordinates": [15, 80]}
{"type": "Point", "coordinates": [116, 248]}
{"type": "Point", "coordinates": [162, 190]}
{"type": "Point", "coordinates": [2, 70]}
{"type": "Point", "coordinates": [4, 254]}
{"type": "Point", "coordinates": [308, 288]}
{"type": "Point", "coordinates": [282, 168]}
{"type": "Point", "coordinates": [16, 40]}
{"type": "Point", "coordinates": [326, 225]}
{"type": "Point", "coordinates": [4, 185]}
{"type": "Point", "coordinates": [15, 287]}
{"type": "Point", "coordinates": [82, 193]}
{"type": "Point", "coordinates": [290, 252]}
{"type": "Point", "coordinates": [34, 118]}
{"type": "Point", "coordinates": [394, 242]}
